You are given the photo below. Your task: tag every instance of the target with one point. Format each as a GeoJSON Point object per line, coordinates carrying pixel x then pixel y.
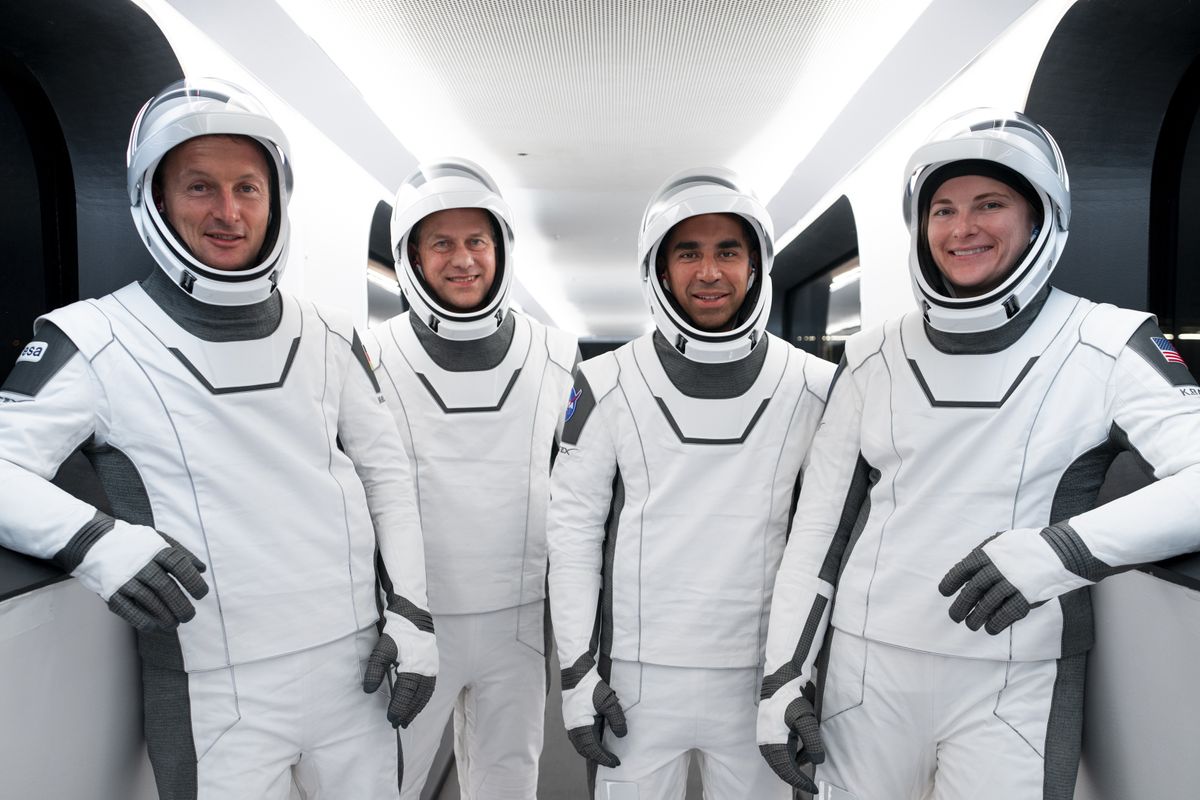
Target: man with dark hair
{"type": "Point", "coordinates": [680, 457]}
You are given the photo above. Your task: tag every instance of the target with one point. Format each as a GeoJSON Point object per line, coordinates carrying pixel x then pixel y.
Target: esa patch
{"type": "Point", "coordinates": [572, 402]}
{"type": "Point", "coordinates": [39, 361]}
{"type": "Point", "coordinates": [33, 352]}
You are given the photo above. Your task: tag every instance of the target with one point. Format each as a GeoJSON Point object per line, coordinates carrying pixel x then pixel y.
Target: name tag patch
{"type": "Point", "coordinates": [33, 352]}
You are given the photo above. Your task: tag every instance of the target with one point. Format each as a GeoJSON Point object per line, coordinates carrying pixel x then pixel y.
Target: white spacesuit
{"type": "Point", "coordinates": [478, 404]}
{"type": "Point", "coordinates": [672, 495]}
{"type": "Point", "coordinates": [213, 407]}
{"type": "Point", "coordinates": [999, 412]}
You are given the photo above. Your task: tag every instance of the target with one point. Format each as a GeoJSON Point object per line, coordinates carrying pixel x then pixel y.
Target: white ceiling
{"type": "Point", "coordinates": [582, 108]}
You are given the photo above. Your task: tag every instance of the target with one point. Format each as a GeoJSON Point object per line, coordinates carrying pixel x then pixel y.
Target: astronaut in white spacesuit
{"type": "Point", "coordinates": [672, 495]}
{"type": "Point", "coordinates": [979, 427]}
{"type": "Point", "coordinates": [477, 391]}
{"type": "Point", "coordinates": [212, 406]}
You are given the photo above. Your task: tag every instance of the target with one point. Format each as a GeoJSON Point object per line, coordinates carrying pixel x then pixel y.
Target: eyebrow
{"type": "Point", "coordinates": [727, 244]}
{"type": "Point", "coordinates": [975, 199]}
{"type": "Point", "coordinates": [192, 172]}
{"type": "Point", "coordinates": [437, 234]}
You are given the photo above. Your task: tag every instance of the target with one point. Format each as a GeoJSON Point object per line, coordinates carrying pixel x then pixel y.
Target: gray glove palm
{"type": "Point", "coordinates": [410, 690]}
{"type": "Point", "coordinates": [588, 704]}
{"type": "Point", "coordinates": [804, 746]}
{"type": "Point", "coordinates": [987, 600]}
{"type": "Point", "coordinates": [588, 739]}
{"type": "Point", "coordinates": [152, 599]}
{"type": "Point", "coordinates": [137, 570]}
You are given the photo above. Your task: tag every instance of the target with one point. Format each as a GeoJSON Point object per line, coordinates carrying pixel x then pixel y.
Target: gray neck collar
{"type": "Point", "coordinates": [474, 355]}
{"type": "Point", "coordinates": [710, 381]}
{"type": "Point", "coordinates": [992, 341]}
{"type": "Point", "coordinates": [214, 323]}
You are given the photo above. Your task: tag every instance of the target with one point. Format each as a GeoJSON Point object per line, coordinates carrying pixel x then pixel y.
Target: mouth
{"type": "Point", "coordinates": [973, 251]}
{"type": "Point", "coordinates": [462, 280]}
{"type": "Point", "coordinates": [709, 298]}
{"type": "Point", "coordinates": [224, 239]}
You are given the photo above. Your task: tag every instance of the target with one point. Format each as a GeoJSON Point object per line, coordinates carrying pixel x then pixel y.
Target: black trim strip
{"type": "Point", "coordinates": [475, 409]}
{"type": "Point", "coordinates": [791, 670]}
{"type": "Point", "coordinates": [688, 440]}
{"type": "Point", "coordinates": [287, 367]}
{"type": "Point", "coordinates": [360, 355]}
{"type": "Point", "coordinates": [27, 378]}
{"type": "Point", "coordinates": [572, 675]}
{"type": "Point", "coordinates": [1174, 373]}
{"type": "Point", "coordinates": [850, 522]}
{"type": "Point", "coordinates": [76, 549]}
{"type": "Point", "coordinates": [969, 403]}
{"type": "Point", "coordinates": [421, 619]}
{"type": "Point", "coordinates": [1064, 729]}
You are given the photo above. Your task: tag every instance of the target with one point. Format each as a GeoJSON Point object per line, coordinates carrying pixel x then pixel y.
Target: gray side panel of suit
{"type": "Point", "coordinates": [166, 702]}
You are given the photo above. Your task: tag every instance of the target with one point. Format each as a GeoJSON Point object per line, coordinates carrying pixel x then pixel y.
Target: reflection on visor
{"type": "Point", "coordinates": [437, 171]}
{"type": "Point", "coordinates": [668, 193]}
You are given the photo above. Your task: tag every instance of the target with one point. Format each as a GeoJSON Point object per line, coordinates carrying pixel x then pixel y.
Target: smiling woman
{"type": "Point", "coordinates": [978, 229]}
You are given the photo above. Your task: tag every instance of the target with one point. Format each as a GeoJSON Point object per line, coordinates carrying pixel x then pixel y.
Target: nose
{"type": "Point", "coordinates": [462, 256]}
{"type": "Point", "coordinates": [708, 270]}
{"type": "Point", "coordinates": [227, 206]}
{"type": "Point", "coordinates": [964, 225]}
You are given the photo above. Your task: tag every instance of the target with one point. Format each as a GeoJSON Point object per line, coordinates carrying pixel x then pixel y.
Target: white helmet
{"type": "Point", "coordinates": [199, 107]}
{"type": "Point", "coordinates": [1009, 147]}
{"type": "Point", "coordinates": [712, 190]}
{"type": "Point", "coordinates": [437, 186]}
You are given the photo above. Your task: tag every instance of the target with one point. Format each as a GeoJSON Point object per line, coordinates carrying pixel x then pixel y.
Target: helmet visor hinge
{"type": "Point", "coordinates": [1011, 306]}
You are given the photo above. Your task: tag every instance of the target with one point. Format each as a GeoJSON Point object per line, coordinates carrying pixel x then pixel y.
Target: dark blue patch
{"type": "Point", "coordinates": [572, 401]}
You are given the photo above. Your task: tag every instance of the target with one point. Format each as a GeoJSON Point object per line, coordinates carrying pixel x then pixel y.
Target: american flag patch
{"type": "Point", "coordinates": [1168, 350]}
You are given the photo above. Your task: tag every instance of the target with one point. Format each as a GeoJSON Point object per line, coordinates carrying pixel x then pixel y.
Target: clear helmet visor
{"type": "Point", "coordinates": [699, 192]}
{"type": "Point", "coordinates": [1011, 148]}
{"type": "Point", "coordinates": [442, 185]}
{"type": "Point", "coordinates": [186, 110]}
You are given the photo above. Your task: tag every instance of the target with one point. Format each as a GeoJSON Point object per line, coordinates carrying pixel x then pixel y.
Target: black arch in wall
{"type": "Point", "coordinates": [1114, 86]}
{"type": "Point", "coordinates": [37, 207]}
{"type": "Point", "coordinates": [73, 74]}
{"type": "Point", "coordinates": [1174, 237]}
{"type": "Point", "coordinates": [831, 239]}
{"type": "Point", "coordinates": [1103, 88]}
{"type": "Point", "coordinates": [96, 64]}
{"type": "Point", "coordinates": [379, 245]}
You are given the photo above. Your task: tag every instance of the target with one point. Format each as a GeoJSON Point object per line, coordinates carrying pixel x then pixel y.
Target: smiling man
{"type": "Point", "coordinates": [212, 406]}
{"type": "Point", "coordinates": [215, 192]}
{"type": "Point", "coordinates": [476, 390]}
{"type": "Point", "coordinates": [680, 456]}
{"type": "Point", "coordinates": [961, 455]}
{"type": "Point", "coordinates": [706, 265]}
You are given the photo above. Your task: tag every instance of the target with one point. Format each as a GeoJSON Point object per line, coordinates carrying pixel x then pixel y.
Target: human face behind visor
{"type": "Point", "coordinates": [216, 193]}
{"type": "Point", "coordinates": [456, 255]}
{"type": "Point", "coordinates": [708, 266]}
{"type": "Point", "coordinates": [978, 229]}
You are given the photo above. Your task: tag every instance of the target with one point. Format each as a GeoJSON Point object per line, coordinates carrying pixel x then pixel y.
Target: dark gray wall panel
{"type": "Point", "coordinates": [1102, 88]}
{"type": "Point", "coordinates": [97, 62]}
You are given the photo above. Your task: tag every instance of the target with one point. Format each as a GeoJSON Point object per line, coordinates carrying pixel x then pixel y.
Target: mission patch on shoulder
{"type": "Point", "coordinates": [40, 361]}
